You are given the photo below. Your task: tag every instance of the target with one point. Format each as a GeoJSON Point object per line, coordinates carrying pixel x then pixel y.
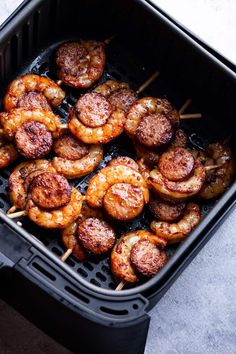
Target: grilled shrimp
{"type": "Point", "coordinates": [94, 121]}
{"type": "Point", "coordinates": [176, 232]}
{"type": "Point", "coordinates": [81, 167]}
{"type": "Point", "coordinates": [8, 153]}
{"type": "Point", "coordinates": [217, 180]}
{"type": "Point", "coordinates": [150, 121]}
{"type": "Point", "coordinates": [120, 189]}
{"type": "Point", "coordinates": [80, 64]}
{"type": "Point", "coordinates": [31, 82]}
{"type": "Point", "coordinates": [124, 160]}
{"type": "Point", "coordinates": [20, 179]}
{"type": "Point", "coordinates": [121, 265]}
{"type": "Point", "coordinates": [69, 234]}
{"type": "Point", "coordinates": [70, 240]}
{"type": "Point", "coordinates": [57, 218]}
{"type": "Point", "coordinates": [180, 190]}
{"type": "Point", "coordinates": [119, 94]}
{"type": "Point", "coordinates": [14, 119]}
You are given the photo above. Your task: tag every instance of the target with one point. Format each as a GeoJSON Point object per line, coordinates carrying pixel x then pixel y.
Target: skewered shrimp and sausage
{"type": "Point", "coordinates": [176, 232]}
{"type": "Point", "coordinates": [75, 158]}
{"type": "Point", "coordinates": [13, 120]}
{"type": "Point", "coordinates": [69, 233]}
{"type": "Point", "coordinates": [21, 178]}
{"type": "Point", "coordinates": [25, 90]}
{"type": "Point", "coordinates": [119, 94]}
{"type": "Point", "coordinates": [181, 179]}
{"type": "Point", "coordinates": [217, 180]}
{"type": "Point", "coordinates": [80, 64]}
{"type": "Point", "coordinates": [94, 121]}
{"type": "Point", "coordinates": [151, 120]}
{"type": "Point", "coordinates": [51, 202]}
{"type": "Point", "coordinates": [143, 257]}
{"type": "Point", "coordinates": [8, 153]}
{"type": "Point", "coordinates": [121, 190]}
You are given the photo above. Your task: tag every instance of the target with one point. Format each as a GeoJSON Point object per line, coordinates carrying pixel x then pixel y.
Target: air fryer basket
{"type": "Point", "coordinates": [143, 42]}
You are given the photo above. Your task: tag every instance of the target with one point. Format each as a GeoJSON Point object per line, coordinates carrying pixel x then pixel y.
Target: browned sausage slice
{"type": "Point", "coordinates": [146, 258]}
{"type": "Point", "coordinates": [154, 130]}
{"type": "Point", "coordinates": [69, 147]}
{"type": "Point", "coordinates": [96, 236]}
{"type": "Point", "coordinates": [50, 190]}
{"type": "Point", "coordinates": [123, 201]}
{"type": "Point", "coordinates": [33, 140]}
{"type": "Point", "coordinates": [176, 164]}
{"type": "Point", "coordinates": [93, 109]}
{"type": "Point", "coordinates": [123, 98]}
{"type": "Point", "coordinates": [32, 99]}
{"type": "Point", "coordinates": [166, 211]}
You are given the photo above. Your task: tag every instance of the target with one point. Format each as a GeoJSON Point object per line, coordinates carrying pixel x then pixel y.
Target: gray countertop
{"type": "Point", "coordinates": [198, 313]}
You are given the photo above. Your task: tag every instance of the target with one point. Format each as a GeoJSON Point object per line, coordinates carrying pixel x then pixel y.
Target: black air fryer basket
{"type": "Point", "coordinates": [76, 302]}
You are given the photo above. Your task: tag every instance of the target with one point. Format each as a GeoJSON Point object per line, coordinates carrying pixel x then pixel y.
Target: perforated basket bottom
{"type": "Point", "coordinates": [121, 65]}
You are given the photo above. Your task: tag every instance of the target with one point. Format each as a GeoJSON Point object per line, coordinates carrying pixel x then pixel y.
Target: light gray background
{"type": "Point", "coordinates": [198, 314]}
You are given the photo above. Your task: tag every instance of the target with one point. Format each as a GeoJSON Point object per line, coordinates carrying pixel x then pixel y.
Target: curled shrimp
{"type": "Point", "coordinates": [176, 232]}
{"type": "Point", "coordinates": [71, 241]}
{"type": "Point", "coordinates": [217, 180]}
{"type": "Point", "coordinates": [31, 82]}
{"type": "Point", "coordinates": [78, 168]}
{"type": "Point", "coordinates": [146, 106]}
{"type": "Point", "coordinates": [80, 64]}
{"type": "Point", "coordinates": [8, 153]}
{"type": "Point", "coordinates": [121, 266]}
{"type": "Point", "coordinates": [14, 119]}
{"type": "Point", "coordinates": [69, 237]}
{"type": "Point", "coordinates": [110, 86]}
{"type": "Point", "coordinates": [178, 190]}
{"type": "Point", "coordinates": [57, 218]}
{"type": "Point", "coordinates": [18, 180]}
{"type": "Point", "coordinates": [107, 177]}
{"type": "Point", "coordinates": [99, 135]}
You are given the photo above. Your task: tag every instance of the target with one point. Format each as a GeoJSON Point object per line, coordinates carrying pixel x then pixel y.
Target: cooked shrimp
{"type": "Point", "coordinates": [80, 64]}
{"type": "Point", "coordinates": [150, 120]}
{"type": "Point", "coordinates": [144, 170]}
{"type": "Point", "coordinates": [78, 168]}
{"type": "Point", "coordinates": [14, 119]}
{"type": "Point", "coordinates": [173, 233]}
{"type": "Point", "coordinates": [217, 180]}
{"type": "Point", "coordinates": [8, 153]}
{"type": "Point", "coordinates": [110, 129]}
{"type": "Point", "coordinates": [31, 82]}
{"type": "Point", "coordinates": [107, 177]}
{"type": "Point", "coordinates": [124, 160]}
{"type": "Point", "coordinates": [58, 218]}
{"type": "Point", "coordinates": [69, 234]}
{"type": "Point", "coordinates": [119, 94]}
{"type": "Point", "coordinates": [17, 180]}
{"type": "Point", "coordinates": [70, 240]}
{"type": "Point", "coordinates": [121, 266]}
{"type": "Point", "coordinates": [178, 190]}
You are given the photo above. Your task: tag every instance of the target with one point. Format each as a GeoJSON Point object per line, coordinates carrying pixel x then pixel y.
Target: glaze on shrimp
{"type": "Point", "coordinates": [21, 178]}
{"type": "Point", "coordinates": [176, 232]}
{"type": "Point", "coordinates": [8, 153]}
{"type": "Point", "coordinates": [14, 119]}
{"type": "Point", "coordinates": [32, 83]}
{"type": "Point", "coordinates": [80, 64]}
{"type": "Point", "coordinates": [121, 265]}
